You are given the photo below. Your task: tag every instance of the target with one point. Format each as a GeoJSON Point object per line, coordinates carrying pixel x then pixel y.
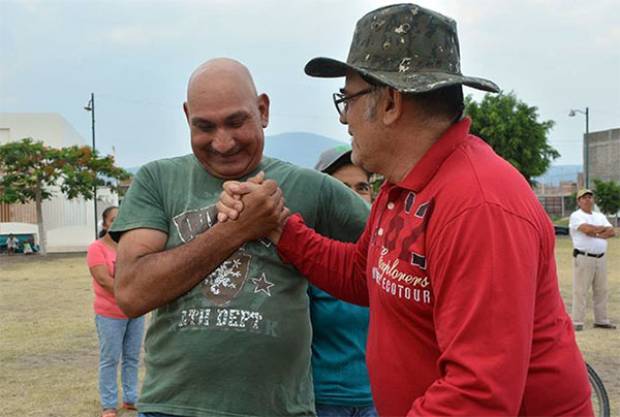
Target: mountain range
{"type": "Point", "coordinates": [557, 173]}
{"type": "Point", "coordinates": [299, 148]}
{"type": "Point", "coordinates": [303, 149]}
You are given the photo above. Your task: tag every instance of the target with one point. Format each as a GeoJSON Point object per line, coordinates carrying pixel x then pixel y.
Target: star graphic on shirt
{"type": "Point", "coordinates": [262, 284]}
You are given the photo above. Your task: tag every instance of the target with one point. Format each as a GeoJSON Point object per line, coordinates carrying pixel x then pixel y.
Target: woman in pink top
{"type": "Point", "coordinates": [118, 334]}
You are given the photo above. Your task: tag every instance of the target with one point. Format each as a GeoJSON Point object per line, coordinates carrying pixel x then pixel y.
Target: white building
{"type": "Point", "coordinates": [70, 224]}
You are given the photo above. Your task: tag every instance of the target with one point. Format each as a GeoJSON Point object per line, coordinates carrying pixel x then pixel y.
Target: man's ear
{"type": "Point", "coordinates": [392, 106]}
{"type": "Point", "coordinates": [263, 107]}
{"type": "Point", "coordinates": [186, 111]}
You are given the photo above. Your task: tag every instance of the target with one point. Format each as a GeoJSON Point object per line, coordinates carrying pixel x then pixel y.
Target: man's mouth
{"type": "Point", "coordinates": [224, 155]}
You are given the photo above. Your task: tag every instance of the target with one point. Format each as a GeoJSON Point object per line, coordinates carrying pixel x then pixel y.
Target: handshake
{"type": "Point", "coordinates": [256, 205]}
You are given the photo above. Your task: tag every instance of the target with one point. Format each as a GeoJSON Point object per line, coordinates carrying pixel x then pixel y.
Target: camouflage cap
{"type": "Point", "coordinates": [405, 46]}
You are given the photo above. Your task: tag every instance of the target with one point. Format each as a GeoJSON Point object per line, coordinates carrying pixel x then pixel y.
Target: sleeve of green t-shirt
{"type": "Point", "coordinates": [143, 206]}
{"type": "Point", "coordinates": [341, 213]}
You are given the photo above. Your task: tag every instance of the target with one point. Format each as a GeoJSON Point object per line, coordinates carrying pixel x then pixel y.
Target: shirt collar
{"type": "Point", "coordinates": [426, 168]}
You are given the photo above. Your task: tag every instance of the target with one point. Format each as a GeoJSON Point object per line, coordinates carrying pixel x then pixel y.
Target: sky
{"type": "Point", "coordinates": [136, 57]}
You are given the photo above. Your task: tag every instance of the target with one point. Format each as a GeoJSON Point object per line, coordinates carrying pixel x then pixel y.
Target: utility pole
{"type": "Point", "coordinates": [90, 107]}
{"type": "Point", "coordinates": [586, 147]}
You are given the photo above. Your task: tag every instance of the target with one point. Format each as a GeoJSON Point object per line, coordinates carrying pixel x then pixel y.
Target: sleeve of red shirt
{"type": "Point", "coordinates": [484, 286]}
{"type": "Point", "coordinates": [95, 255]}
{"type": "Point", "coordinates": [338, 268]}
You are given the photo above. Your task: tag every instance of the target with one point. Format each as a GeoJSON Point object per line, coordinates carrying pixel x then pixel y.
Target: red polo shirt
{"type": "Point", "coordinates": [457, 264]}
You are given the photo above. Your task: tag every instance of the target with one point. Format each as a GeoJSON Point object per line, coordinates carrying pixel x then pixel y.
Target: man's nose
{"type": "Point", "coordinates": [343, 117]}
{"type": "Point", "coordinates": [222, 141]}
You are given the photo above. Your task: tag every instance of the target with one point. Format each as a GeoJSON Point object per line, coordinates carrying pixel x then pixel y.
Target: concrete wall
{"type": "Point", "coordinates": [70, 224]}
{"type": "Point", "coordinates": [604, 155]}
{"type": "Point", "coordinates": [50, 128]}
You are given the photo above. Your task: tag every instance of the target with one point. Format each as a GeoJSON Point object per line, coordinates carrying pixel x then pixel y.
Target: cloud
{"type": "Point", "coordinates": [31, 6]}
{"type": "Point", "coordinates": [135, 35]}
{"type": "Point", "coordinates": [553, 53]}
{"type": "Point", "coordinates": [609, 40]}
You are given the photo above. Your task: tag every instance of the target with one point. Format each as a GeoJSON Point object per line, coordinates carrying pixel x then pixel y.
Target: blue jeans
{"type": "Point", "coordinates": [118, 338]}
{"type": "Point", "coordinates": [345, 411]}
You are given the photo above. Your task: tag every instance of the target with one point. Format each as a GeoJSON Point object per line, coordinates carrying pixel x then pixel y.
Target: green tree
{"type": "Point", "coordinates": [607, 197]}
{"type": "Point", "coordinates": [570, 202]}
{"type": "Point", "coordinates": [512, 129]}
{"type": "Point", "coordinates": [31, 171]}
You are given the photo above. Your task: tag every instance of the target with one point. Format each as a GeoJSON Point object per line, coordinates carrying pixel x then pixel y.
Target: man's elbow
{"type": "Point", "coordinates": [126, 300]}
{"type": "Point", "coordinates": [130, 309]}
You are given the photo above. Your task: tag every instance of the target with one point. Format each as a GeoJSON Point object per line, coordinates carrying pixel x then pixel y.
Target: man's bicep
{"type": "Point", "coordinates": [136, 243]}
{"type": "Point", "coordinates": [575, 221]}
{"type": "Point", "coordinates": [134, 273]}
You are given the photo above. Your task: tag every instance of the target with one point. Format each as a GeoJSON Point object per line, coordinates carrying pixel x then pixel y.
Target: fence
{"type": "Point", "coordinates": [558, 205]}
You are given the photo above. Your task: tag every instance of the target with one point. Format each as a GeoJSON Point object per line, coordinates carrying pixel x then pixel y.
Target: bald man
{"type": "Point", "coordinates": [230, 333]}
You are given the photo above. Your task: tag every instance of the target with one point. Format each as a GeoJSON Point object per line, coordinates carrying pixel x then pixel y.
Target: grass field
{"type": "Point", "coordinates": [48, 342]}
{"type": "Point", "coordinates": [48, 345]}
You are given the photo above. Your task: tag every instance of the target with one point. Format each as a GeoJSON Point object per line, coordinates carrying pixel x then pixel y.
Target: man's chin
{"type": "Point", "coordinates": [229, 171]}
{"type": "Point", "coordinates": [356, 160]}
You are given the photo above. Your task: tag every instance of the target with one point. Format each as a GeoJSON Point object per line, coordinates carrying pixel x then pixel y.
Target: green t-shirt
{"type": "Point", "coordinates": [238, 343]}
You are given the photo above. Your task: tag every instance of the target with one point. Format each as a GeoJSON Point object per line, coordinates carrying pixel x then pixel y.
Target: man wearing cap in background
{"type": "Point", "coordinates": [590, 231]}
{"type": "Point", "coordinates": [339, 329]}
{"type": "Point", "coordinates": [457, 258]}
{"type": "Point", "coordinates": [337, 163]}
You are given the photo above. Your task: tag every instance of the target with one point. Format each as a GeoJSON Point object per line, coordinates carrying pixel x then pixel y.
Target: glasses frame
{"type": "Point", "coordinates": [340, 98]}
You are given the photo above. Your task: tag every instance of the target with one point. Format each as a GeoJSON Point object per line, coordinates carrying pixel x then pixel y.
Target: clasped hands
{"type": "Point", "coordinates": [256, 204]}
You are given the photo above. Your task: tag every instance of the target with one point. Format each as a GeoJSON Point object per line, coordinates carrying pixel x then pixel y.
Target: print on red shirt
{"type": "Point", "coordinates": [401, 262]}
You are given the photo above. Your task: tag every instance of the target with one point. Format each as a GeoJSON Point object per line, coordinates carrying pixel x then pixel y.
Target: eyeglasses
{"type": "Point", "coordinates": [342, 102]}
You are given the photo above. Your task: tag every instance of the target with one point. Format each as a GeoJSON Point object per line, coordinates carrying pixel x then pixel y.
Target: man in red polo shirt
{"type": "Point", "coordinates": [457, 258]}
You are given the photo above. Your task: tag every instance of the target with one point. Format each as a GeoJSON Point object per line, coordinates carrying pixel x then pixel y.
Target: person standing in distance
{"type": "Point", "coordinates": [340, 329]}
{"type": "Point", "coordinates": [119, 336]}
{"type": "Point", "coordinates": [589, 231]}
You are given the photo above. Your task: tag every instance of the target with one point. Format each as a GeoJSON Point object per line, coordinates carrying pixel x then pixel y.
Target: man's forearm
{"type": "Point", "coordinates": [337, 268]}
{"type": "Point", "coordinates": [607, 233]}
{"type": "Point", "coordinates": [106, 283]}
{"type": "Point", "coordinates": [592, 230]}
{"type": "Point", "coordinates": [155, 279]}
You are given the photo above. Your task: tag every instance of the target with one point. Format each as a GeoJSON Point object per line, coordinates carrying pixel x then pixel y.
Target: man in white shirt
{"type": "Point", "coordinates": [590, 231]}
{"type": "Point", "coordinates": [11, 244]}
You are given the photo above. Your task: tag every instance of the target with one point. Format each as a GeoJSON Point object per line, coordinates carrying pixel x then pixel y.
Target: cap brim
{"type": "Point", "coordinates": [406, 82]}
{"type": "Point", "coordinates": [332, 161]}
{"type": "Point", "coordinates": [584, 192]}
{"type": "Point", "coordinates": [326, 68]}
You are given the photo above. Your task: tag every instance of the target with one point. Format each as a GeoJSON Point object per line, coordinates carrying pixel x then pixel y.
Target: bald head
{"type": "Point", "coordinates": [226, 118]}
{"type": "Point", "coordinates": [221, 74]}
